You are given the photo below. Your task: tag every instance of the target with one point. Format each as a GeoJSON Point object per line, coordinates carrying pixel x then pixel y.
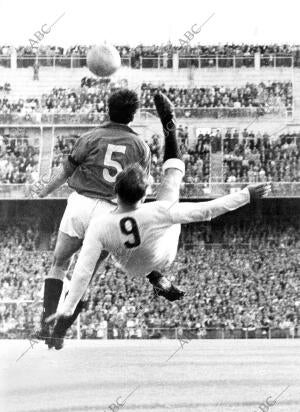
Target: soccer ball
{"type": "Point", "coordinates": [103, 60]}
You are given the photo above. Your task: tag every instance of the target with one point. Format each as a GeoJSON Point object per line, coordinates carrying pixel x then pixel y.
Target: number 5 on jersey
{"type": "Point", "coordinates": [112, 148]}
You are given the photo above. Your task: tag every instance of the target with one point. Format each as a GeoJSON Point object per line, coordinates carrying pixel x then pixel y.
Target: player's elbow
{"type": "Point", "coordinates": [68, 169]}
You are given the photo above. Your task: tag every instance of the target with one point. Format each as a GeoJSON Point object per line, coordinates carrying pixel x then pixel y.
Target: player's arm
{"type": "Point", "coordinates": [58, 177]}
{"type": "Point", "coordinates": [145, 155]}
{"type": "Point", "coordinates": [84, 269]}
{"type": "Point", "coordinates": [201, 211]}
{"type": "Point", "coordinates": [61, 174]}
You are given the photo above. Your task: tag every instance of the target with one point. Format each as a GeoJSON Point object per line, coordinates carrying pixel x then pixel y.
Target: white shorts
{"type": "Point", "coordinates": [79, 211]}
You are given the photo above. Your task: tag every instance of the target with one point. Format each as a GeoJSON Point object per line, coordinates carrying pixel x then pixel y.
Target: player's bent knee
{"type": "Point", "coordinates": [61, 261]}
{"type": "Point", "coordinates": [66, 246]}
{"type": "Point", "coordinates": [174, 165]}
{"type": "Point", "coordinates": [56, 272]}
{"type": "Point", "coordinates": [170, 186]}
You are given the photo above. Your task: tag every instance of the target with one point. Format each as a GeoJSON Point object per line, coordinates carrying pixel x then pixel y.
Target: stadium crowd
{"type": "Point", "coordinates": [24, 107]}
{"type": "Point", "coordinates": [158, 50]}
{"type": "Point", "coordinates": [153, 56]}
{"type": "Point", "coordinates": [18, 159]}
{"type": "Point", "coordinates": [250, 157]}
{"type": "Point", "coordinates": [247, 157]}
{"type": "Point", "coordinates": [266, 96]}
{"type": "Point", "coordinates": [196, 159]}
{"type": "Point", "coordinates": [92, 97]}
{"type": "Point", "coordinates": [90, 101]}
{"type": "Point", "coordinates": [250, 284]}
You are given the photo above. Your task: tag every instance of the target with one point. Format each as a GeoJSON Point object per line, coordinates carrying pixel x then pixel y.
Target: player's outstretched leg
{"type": "Point", "coordinates": [169, 188]}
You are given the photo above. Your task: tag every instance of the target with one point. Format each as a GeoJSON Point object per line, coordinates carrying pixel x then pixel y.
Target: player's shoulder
{"type": "Point", "coordinates": [117, 127]}
{"type": "Point", "coordinates": [142, 146]}
{"type": "Point", "coordinates": [158, 207]}
{"type": "Point", "coordinates": [110, 129]}
{"type": "Point", "coordinates": [91, 135]}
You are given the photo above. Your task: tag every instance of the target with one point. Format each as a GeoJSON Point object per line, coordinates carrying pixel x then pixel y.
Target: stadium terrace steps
{"type": "Point", "coordinates": [23, 85]}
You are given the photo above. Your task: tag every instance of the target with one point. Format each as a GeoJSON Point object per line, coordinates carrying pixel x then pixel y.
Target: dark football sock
{"type": "Point", "coordinates": [172, 150]}
{"type": "Point", "coordinates": [63, 324]}
{"type": "Point", "coordinates": [52, 292]}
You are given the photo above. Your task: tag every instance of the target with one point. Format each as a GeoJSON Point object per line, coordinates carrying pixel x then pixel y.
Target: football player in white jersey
{"type": "Point", "coordinates": [143, 238]}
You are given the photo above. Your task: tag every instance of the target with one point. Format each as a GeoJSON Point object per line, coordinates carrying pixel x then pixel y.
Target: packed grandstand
{"type": "Point", "coordinates": [210, 53]}
{"type": "Point", "coordinates": [91, 98]}
{"type": "Point", "coordinates": [241, 272]}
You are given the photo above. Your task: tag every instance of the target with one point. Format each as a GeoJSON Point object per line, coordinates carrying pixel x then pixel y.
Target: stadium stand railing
{"type": "Point", "coordinates": [174, 61]}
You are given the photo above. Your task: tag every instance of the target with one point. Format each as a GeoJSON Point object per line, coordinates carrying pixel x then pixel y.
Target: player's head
{"type": "Point", "coordinates": [122, 106]}
{"type": "Point", "coordinates": [131, 184]}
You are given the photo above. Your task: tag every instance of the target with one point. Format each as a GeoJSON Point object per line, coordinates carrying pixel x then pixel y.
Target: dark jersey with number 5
{"type": "Point", "coordinates": [99, 155]}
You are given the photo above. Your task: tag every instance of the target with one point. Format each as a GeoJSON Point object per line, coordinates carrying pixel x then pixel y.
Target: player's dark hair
{"type": "Point", "coordinates": [122, 106]}
{"type": "Point", "coordinates": [131, 184]}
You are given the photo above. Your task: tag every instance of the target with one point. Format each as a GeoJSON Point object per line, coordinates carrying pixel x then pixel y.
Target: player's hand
{"type": "Point", "coordinates": [38, 190]}
{"type": "Point", "coordinates": [43, 192]}
{"type": "Point", "coordinates": [259, 190]}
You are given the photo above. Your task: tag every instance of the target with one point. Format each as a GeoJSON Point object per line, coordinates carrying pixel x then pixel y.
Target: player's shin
{"type": "Point", "coordinates": [52, 292]}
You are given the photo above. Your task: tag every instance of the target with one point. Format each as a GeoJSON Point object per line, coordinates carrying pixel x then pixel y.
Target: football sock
{"type": "Point", "coordinates": [172, 150]}
{"type": "Point", "coordinates": [52, 292]}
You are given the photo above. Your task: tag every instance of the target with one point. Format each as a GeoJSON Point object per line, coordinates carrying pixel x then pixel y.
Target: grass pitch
{"type": "Point", "coordinates": [153, 375]}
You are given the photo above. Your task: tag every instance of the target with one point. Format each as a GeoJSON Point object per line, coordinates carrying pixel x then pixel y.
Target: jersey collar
{"type": "Point", "coordinates": [120, 126]}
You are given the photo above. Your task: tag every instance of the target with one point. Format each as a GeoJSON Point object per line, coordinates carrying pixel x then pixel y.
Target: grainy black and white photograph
{"type": "Point", "coordinates": [149, 206]}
